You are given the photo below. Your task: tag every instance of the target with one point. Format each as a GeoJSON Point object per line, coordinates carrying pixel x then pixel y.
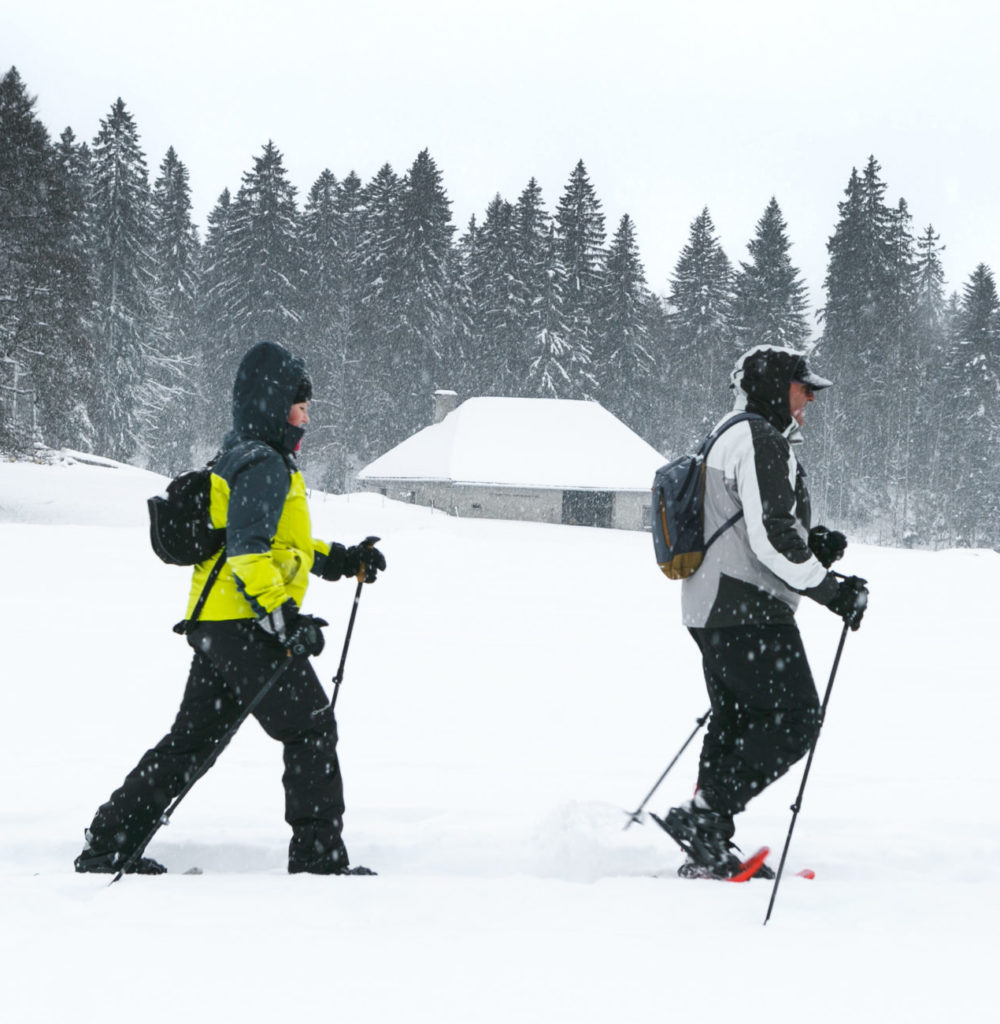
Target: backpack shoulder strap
{"type": "Point", "coordinates": [185, 625]}
{"type": "Point", "coordinates": [714, 436]}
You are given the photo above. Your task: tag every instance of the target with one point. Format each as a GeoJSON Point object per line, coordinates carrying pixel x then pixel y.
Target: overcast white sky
{"type": "Point", "coordinates": [673, 106]}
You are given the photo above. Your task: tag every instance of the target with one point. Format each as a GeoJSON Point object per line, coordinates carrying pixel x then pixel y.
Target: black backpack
{"type": "Point", "coordinates": [679, 508]}
{"type": "Point", "coordinates": [180, 526]}
{"type": "Point", "coordinates": [181, 531]}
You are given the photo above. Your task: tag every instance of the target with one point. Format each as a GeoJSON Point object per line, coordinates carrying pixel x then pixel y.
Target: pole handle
{"type": "Point", "coordinates": [362, 573]}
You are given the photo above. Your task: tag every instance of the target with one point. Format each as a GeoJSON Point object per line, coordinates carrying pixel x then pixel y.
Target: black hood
{"type": "Point", "coordinates": [761, 379]}
{"type": "Point", "coordinates": [267, 384]}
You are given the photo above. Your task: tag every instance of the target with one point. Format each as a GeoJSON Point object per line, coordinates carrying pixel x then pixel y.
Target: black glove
{"type": "Point", "coordinates": [301, 634]}
{"type": "Point", "coordinates": [827, 545]}
{"type": "Point", "coordinates": [850, 600]}
{"type": "Point", "coordinates": [364, 556]}
{"type": "Point", "coordinates": [306, 636]}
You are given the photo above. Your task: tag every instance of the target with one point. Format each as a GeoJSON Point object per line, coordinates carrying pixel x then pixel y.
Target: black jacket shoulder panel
{"type": "Point", "coordinates": [779, 506]}
{"type": "Point", "coordinates": [258, 479]}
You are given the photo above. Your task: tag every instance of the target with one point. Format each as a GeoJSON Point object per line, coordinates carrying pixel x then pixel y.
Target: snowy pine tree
{"type": "Point", "coordinates": [493, 277]}
{"type": "Point", "coordinates": [932, 397]}
{"type": "Point", "coordinates": [176, 248]}
{"type": "Point", "coordinates": [27, 166]}
{"type": "Point", "coordinates": [133, 381]}
{"type": "Point", "coordinates": [664, 428]}
{"type": "Point", "coordinates": [464, 376]}
{"type": "Point", "coordinates": [67, 397]}
{"type": "Point", "coordinates": [220, 345]}
{"type": "Point", "coordinates": [701, 341]}
{"type": "Point", "coordinates": [326, 337]}
{"type": "Point", "coordinates": [556, 368]}
{"type": "Point", "coordinates": [257, 276]}
{"type": "Point", "coordinates": [177, 252]}
{"type": "Point", "coordinates": [623, 359]}
{"type": "Point", "coordinates": [975, 429]}
{"type": "Point", "coordinates": [532, 231]}
{"type": "Point", "coordinates": [422, 332]}
{"type": "Point", "coordinates": [358, 347]}
{"type": "Point", "coordinates": [769, 296]}
{"type": "Point", "coordinates": [866, 348]}
{"type": "Point", "coordinates": [351, 214]}
{"type": "Point", "coordinates": [380, 318]}
{"type": "Point", "coordinates": [549, 368]}
{"type": "Point", "coordinates": [929, 308]}
{"type": "Point", "coordinates": [321, 231]}
{"type": "Point", "coordinates": [581, 237]}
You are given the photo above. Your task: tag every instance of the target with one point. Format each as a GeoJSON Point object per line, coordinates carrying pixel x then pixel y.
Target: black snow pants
{"type": "Point", "coordinates": [765, 711]}
{"type": "Point", "coordinates": [232, 661]}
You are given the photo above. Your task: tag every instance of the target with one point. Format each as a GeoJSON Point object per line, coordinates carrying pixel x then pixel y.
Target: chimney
{"type": "Point", "coordinates": [444, 403]}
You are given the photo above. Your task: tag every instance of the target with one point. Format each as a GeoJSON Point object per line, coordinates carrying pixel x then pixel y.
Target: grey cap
{"type": "Point", "coordinates": [804, 375]}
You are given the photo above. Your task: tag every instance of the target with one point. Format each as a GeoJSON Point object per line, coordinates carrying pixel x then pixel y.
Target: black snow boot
{"type": "Point", "coordinates": [109, 862]}
{"type": "Point", "coordinates": [315, 850]}
{"type": "Point", "coordinates": [704, 835]}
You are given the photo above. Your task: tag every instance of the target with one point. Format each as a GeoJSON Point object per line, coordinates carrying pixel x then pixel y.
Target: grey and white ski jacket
{"type": "Point", "coordinates": [753, 573]}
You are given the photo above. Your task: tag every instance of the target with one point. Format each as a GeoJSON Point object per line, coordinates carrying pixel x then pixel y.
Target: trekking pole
{"type": "Point", "coordinates": [805, 774]}
{"type": "Point", "coordinates": [339, 677]}
{"type": "Point", "coordinates": [637, 813]}
{"type": "Point", "coordinates": [164, 818]}
{"type": "Point", "coordinates": [362, 578]}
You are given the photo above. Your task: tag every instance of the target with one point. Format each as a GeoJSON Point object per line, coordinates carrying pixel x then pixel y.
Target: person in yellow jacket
{"type": "Point", "coordinates": [248, 624]}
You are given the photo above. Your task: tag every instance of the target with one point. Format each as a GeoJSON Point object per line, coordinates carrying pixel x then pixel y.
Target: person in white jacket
{"type": "Point", "coordinates": [740, 605]}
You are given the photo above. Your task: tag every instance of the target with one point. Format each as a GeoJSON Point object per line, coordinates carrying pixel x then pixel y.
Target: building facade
{"type": "Point", "coordinates": [543, 460]}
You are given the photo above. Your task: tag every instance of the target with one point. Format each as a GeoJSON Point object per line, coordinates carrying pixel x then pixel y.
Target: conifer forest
{"type": "Point", "coordinates": [121, 326]}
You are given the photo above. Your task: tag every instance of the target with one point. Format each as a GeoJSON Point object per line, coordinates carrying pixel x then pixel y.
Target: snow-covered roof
{"type": "Point", "coordinates": [524, 442]}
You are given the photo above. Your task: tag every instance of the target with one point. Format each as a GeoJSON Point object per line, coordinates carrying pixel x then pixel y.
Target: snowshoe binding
{"type": "Point", "coordinates": [109, 862]}
{"type": "Point", "coordinates": [704, 835]}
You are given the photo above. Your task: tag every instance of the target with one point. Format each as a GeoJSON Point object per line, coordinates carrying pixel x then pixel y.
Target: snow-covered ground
{"type": "Point", "coordinates": [511, 690]}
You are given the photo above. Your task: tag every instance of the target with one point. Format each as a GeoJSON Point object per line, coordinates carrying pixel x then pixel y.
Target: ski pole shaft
{"type": "Point", "coordinates": [164, 818]}
{"type": "Point", "coordinates": [339, 677]}
{"type": "Point", "coordinates": [634, 816]}
{"type": "Point", "coordinates": [796, 807]}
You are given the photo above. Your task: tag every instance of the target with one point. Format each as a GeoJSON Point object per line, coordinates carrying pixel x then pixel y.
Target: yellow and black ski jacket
{"type": "Point", "coordinates": [258, 496]}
